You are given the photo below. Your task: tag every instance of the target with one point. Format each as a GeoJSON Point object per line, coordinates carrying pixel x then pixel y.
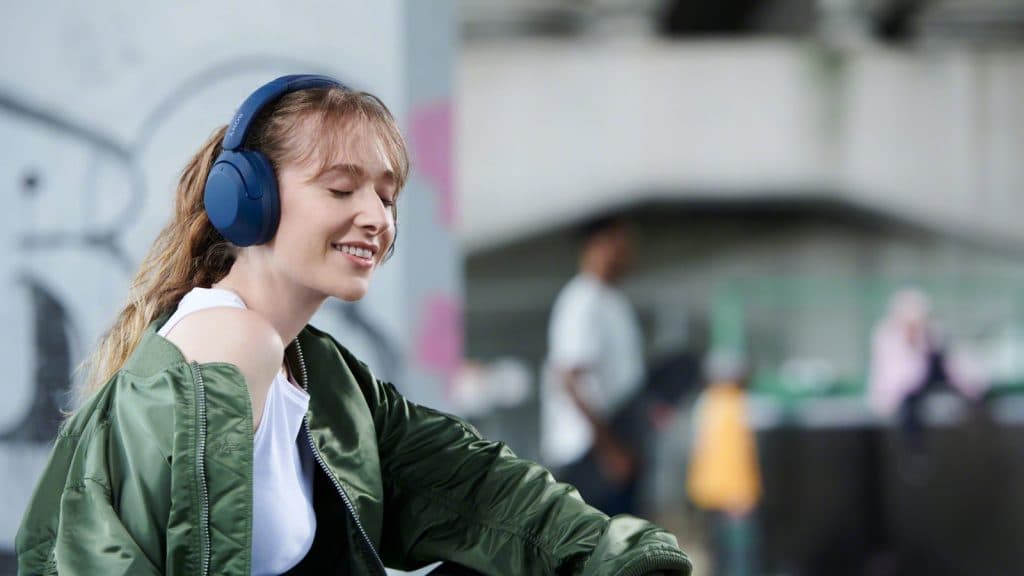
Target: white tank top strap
{"type": "Point", "coordinates": [200, 299]}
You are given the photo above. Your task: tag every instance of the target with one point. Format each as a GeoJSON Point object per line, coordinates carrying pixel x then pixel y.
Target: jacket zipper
{"type": "Point", "coordinates": [323, 465]}
{"type": "Point", "coordinates": [204, 498]}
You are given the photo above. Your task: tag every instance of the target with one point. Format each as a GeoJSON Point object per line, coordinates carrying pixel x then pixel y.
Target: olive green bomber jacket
{"type": "Point", "coordinates": [153, 475]}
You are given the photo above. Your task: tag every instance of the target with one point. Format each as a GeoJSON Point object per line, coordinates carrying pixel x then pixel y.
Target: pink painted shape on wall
{"type": "Point", "coordinates": [432, 153]}
{"type": "Point", "coordinates": [439, 337]}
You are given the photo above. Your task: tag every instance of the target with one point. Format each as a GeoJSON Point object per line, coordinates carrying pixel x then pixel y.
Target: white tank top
{"type": "Point", "coordinates": [283, 522]}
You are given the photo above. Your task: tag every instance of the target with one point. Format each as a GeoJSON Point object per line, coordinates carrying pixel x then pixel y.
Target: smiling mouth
{"type": "Point", "coordinates": [363, 255]}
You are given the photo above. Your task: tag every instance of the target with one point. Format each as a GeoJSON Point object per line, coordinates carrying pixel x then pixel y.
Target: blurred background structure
{"type": "Point", "coordinates": [787, 167]}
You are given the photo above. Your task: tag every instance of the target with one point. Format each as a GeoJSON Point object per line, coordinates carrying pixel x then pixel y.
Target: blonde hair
{"type": "Point", "coordinates": [190, 252]}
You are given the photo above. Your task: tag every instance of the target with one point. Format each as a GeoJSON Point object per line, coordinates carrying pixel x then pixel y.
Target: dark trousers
{"type": "Point", "coordinates": [589, 479]}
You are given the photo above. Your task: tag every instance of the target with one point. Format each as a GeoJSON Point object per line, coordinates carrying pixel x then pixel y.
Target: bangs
{"type": "Point", "coordinates": [343, 116]}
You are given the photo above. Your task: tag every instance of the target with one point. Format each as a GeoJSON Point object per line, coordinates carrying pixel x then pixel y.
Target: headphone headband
{"type": "Point", "coordinates": [241, 196]}
{"type": "Point", "coordinates": [264, 95]}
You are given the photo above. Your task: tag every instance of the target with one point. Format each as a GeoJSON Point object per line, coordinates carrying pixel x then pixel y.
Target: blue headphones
{"type": "Point", "coordinates": [241, 196]}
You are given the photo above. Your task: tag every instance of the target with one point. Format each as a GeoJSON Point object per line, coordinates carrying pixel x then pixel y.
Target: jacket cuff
{"type": "Point", "coordinates": [633, 547]}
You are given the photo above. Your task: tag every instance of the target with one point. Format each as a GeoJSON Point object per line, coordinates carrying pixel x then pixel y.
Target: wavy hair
{"type": "Point", "coordinates": [190, 252]}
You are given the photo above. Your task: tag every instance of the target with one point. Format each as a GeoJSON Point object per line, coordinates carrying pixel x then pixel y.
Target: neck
{"type": "Point", "coordinates": [597, 269]}
{"type": "Point", "coordinates": [287, 306]}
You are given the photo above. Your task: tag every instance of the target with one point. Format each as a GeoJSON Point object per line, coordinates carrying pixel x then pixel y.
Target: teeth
{"type": "Point", "coordinates": [359, 252]}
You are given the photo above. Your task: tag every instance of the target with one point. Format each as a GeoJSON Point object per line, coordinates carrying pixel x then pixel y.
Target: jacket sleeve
{"type": "Point", "coordinates": [450, 495]}
{"type": "Point", "coordinates": [71, 526]}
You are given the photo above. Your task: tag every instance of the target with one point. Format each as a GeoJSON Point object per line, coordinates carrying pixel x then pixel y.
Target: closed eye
{"type": "Point", "coordinates": [340, 193]}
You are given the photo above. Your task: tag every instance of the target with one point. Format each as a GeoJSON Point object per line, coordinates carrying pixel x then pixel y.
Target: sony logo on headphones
{"type": "Point", "coordinates": [234, 124]}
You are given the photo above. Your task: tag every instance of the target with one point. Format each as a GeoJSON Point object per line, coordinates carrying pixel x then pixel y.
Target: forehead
{"type": "Point", "coordinates": [349, 142]}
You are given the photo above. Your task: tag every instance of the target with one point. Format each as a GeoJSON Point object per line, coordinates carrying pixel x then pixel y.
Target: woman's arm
{"type": "Point", "coordinates": [451, 495]}
{"type": "Point", "coordinates": [71, 526]}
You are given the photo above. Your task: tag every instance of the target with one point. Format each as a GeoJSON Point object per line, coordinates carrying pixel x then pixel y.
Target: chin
{"type": "Point", "coordinates": [347, 297]}
{"type": "Point", "coordinates": [350, 293]}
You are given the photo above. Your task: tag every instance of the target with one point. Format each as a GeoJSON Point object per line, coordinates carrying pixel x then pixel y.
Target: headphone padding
{"type": "Point", "coordinates": [241, 197]}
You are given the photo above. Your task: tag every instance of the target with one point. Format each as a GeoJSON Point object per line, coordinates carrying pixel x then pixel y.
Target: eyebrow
{"type": "Point", "coordinates": [357, 171]}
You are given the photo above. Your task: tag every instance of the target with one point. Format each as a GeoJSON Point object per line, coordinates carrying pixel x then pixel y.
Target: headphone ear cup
{"type": "Point", "coordinates": [241, 197]}
{"type": "Point", "coordinates": [265, 187]}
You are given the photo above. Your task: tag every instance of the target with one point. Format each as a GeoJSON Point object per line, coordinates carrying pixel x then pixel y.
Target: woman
{"type": "Point", "coordinates": [207, 445]}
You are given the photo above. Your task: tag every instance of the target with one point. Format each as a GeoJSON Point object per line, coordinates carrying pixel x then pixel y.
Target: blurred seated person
{"type": "Point", "coordinates": [908, 361]}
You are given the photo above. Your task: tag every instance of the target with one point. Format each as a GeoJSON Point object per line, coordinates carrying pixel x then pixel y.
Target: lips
{"type": "Point", "coordinates": [359, 254]}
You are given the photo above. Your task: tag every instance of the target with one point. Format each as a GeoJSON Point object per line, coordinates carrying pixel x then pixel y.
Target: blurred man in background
{"type": "Point", "coordinates": [594, 365]}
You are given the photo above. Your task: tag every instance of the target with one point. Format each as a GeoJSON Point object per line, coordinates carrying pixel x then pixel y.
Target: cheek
{"type": "Point", "coordinates": [302, 236]}
{"type": "Point", "coordinates": [387, 240]}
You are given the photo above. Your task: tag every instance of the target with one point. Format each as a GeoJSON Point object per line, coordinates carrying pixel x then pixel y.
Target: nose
{"type": "Point", "coordinates": [371, 213]}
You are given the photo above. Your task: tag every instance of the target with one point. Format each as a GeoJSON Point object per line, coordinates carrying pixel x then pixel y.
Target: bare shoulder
{"type": "Point", "coordinates": [234, 335]}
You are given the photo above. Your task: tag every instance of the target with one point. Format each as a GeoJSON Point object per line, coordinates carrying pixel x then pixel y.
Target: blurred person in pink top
{"type": "Point", "coordinates": [908, 361]}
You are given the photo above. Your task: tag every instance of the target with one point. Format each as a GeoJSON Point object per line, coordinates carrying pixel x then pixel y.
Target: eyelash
{"type": "Point", "coordinates": [344, 193]}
